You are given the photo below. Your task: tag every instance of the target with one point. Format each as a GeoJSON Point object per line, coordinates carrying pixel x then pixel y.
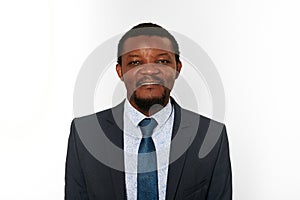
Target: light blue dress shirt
{"type": "Point", "coordinates": [162, 139]}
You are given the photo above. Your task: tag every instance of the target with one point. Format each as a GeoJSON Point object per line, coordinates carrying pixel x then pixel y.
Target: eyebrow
{"type": "Point", "coordinates": [138, 56]}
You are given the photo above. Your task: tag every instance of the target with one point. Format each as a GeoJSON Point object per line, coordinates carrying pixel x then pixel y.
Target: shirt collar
{"type": "Point", "coordinates": [136, 116]}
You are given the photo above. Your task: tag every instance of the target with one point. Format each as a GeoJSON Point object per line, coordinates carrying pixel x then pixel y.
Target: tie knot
{"type": "Point", "coordinates": [147, 125]}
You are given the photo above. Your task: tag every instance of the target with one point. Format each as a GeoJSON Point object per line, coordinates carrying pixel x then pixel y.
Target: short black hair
{"type": "Point", "coordinates": [148, 29]}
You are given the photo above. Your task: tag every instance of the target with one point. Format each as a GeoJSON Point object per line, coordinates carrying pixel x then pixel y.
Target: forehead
{"type": "Point", "coordinates": [145, 42]}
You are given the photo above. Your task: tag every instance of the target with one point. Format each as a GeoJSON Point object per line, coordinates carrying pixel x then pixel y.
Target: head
{"type": "Point", "coordinates": [148, 63]}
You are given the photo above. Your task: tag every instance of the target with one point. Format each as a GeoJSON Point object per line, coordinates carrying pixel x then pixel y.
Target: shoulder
{"type": "Point", "coordinates": [192, 117]}
{"type": "Point", "coordinates": [104, 118]}
{"type": "Point", "coordinates": [211, 134]}
{"type": "Point", "coordinates": [103, 114]}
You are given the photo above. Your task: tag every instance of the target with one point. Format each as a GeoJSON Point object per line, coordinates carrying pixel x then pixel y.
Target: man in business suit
{"type": "Point", "coordinates": [165, 163]}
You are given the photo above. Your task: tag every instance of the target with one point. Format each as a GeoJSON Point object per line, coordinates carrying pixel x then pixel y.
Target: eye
{"type": "Point", "coordinates": [163, 61]}
{"type": "Point", "coordinates": [134, 62]}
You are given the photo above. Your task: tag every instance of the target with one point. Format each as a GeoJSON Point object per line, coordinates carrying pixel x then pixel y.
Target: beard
{"type": "Point", "coordinates": [146, 104]}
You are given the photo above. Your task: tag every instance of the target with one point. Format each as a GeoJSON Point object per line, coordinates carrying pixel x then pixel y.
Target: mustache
{"type": "Point", "coordinates": [150, 79]}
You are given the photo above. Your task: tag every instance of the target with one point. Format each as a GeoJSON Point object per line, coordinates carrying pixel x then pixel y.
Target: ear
{"type": "Point", "coordinates": [179, 65]}
{"type": "Point", "coordinates": [119, 71]}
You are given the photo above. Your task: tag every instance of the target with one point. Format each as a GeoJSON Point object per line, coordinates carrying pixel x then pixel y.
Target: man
{"type": "Point", "coordinates": [160, 141]}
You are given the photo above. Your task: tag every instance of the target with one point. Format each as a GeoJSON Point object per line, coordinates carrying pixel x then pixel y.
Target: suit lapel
{"type": "Point", "coordinates": [115, 134]}
{"type": "Point", "coordinates": [180, 140]}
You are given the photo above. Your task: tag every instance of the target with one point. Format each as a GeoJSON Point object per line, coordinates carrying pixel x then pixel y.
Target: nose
{"type": "Point", "coordinates": [149, 69]}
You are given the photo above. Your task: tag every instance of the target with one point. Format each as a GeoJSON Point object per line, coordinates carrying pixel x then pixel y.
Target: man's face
{"type": "Point", "coordinates": [148, 70]}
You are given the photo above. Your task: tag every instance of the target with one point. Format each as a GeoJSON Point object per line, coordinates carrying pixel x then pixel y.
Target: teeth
{"type": "Point", "coordinates": [149, 83]}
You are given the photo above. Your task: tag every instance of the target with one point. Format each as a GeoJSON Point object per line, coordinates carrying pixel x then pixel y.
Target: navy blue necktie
{"type": "Point", "coordinates": [147, 181]}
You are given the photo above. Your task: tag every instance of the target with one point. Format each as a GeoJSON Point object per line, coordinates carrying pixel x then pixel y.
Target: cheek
{"type": "Point", "coordinates": [129, 76]}
{"type": "Point", "coordinates": [129, 83]}
{"type": "Point", "coordinates": [134, 71]}
{"type": "Point", "coordinates": [170, 77]}
{"type": "Point", "coordinates": [129, 79]}
{"type": "Point", "coordinates": [169, 71]}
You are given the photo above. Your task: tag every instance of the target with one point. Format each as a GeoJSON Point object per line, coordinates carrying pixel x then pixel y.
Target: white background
{"type": "Point", "coordinates": [254, 44]}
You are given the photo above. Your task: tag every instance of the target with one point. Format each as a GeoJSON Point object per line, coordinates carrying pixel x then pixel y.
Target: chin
{"type": "Point", "coordinates": [146, 102]}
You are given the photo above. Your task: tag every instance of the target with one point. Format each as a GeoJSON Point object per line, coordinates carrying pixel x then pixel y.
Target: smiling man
{"type": "Point", "coordinates": [160, 141]}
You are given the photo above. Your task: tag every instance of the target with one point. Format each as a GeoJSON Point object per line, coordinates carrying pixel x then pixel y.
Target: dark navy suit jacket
{"type": "Point", "coordinates": [199, 158]}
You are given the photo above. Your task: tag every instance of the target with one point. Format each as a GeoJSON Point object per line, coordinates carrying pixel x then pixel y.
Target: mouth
{"type": "Point", "coordinates": [149, 83]}
{"type": "Point", "coordinates": [145, 83]}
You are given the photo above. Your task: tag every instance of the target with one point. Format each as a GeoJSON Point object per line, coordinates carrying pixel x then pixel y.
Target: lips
{"type": "Point", "coordinates": [150, 83]}
{"type": "Point", "coordinates": [143, 83]}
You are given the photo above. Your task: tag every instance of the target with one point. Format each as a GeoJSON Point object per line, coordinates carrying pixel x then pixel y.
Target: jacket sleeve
{"type": "Point", "coordinates": [75, 187]}
{"type": "Point", "coordinates": [221, 183]}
